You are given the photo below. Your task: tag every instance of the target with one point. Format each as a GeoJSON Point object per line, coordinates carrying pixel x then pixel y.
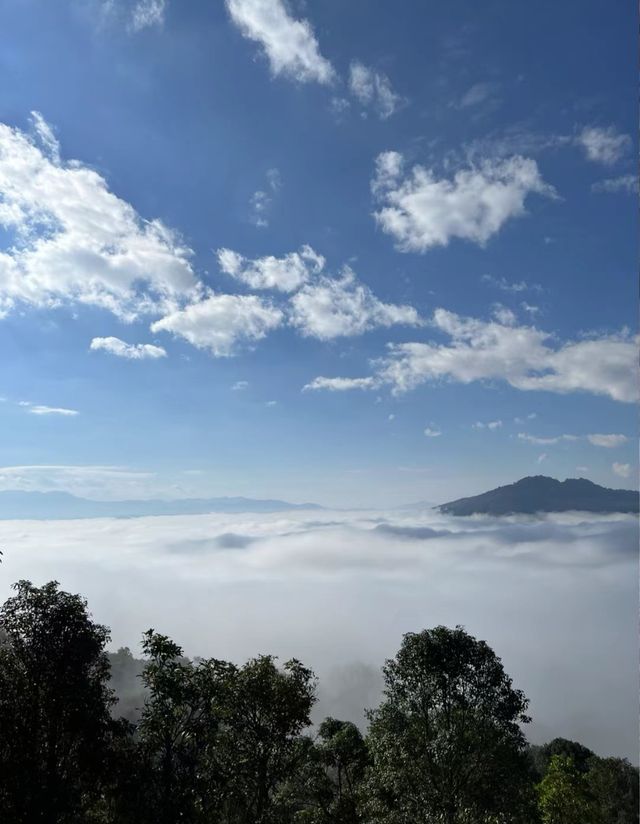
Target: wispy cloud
{"type": "Point", "coordinates": [604, 145]}
{"type": "Point", "coordinates": [38, 409]}
{"type": "Point", "coordinates": [373, 90]}
{"type": "Point", "coordinates": [612, 185]}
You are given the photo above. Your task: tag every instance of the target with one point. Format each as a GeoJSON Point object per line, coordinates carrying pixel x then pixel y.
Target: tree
{"type": "Point", "coordinates": [445, 743]}
{"type": "Point", "coordinates": [326, 786]}
{"type": "Point", "coordinates": [179, 734]}
{"type": "Point", "coordinates": [613, 786]}
{"type": "Point", "coordinates": [580, 755]}
{"type": "Point", "coordinates": [218, 742]}
{"type": "Point", "coordinates": [564, 794]}
{"type": "Point", "coordinates": [55, 724]}
{"type": "Point", "coordinates": [267, 710]}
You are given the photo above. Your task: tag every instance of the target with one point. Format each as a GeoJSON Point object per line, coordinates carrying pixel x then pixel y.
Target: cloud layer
{"type": "Point", "coordinates": [533, 588]}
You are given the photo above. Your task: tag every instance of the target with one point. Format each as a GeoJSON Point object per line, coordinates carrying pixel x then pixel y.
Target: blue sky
{"type": "Point", "coordinates": [220, 209]}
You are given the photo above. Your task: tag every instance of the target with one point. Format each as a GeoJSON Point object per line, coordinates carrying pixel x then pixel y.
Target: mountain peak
{"type": "Point", "coordinates": [540, 493]}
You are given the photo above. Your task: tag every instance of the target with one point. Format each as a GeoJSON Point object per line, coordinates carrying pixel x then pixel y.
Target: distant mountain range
{"type": "Point", "coordinates": [19, 505]}
{"type": "Point", "coordinates": [542, 494]}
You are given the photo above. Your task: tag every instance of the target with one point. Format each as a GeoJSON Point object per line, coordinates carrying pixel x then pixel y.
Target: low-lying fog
{"type": "Point", "coordinates": [556, 597]}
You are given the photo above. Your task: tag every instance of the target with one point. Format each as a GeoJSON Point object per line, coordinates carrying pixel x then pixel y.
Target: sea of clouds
{"type": "Point", "coordinates": [555, 596]}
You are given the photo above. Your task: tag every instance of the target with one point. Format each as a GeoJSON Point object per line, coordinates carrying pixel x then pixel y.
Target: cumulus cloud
{"type": "Point", "coordinates": [131, 351]}
{"type": "Point", "coordinates": [605, 146]}
{"type": "Point", "coordinates": [421, 211]}
{"type": "Point", "coordinates": [432, 432]}
{"type": "Point", "coordinates": [335, 307]}
{"type": "Point", "coordinates": [523, 356]}
{"type": "Point", "coordinates": [612, 185]}
{"type": "Point", "coordinates": [289, 44]}
{"type": "Point", "coordinates": [520, 355]}
{"type": "Point", "coordinates": [285, 274]}
{"type": "Point", "coordinates": [221, 323]}
{"type": "Point", "coordinates": [240, 386]}
{"type": "Point", "coordinates": [187, 574]}
{"type": "Point", "coordinates": [373, 89]}
{"type": "Point", "coordinates": [623, 470]}
{"type": "Point", "coordinates": [608, 441]}
{"type": "Point", "coordinates": [75, 241]}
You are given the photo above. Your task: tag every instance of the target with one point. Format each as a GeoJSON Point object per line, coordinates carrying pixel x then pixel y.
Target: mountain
{"type": "Point", "coordinates": [543, 494]}
{"type": "Point", "coordinates": [19, 505]}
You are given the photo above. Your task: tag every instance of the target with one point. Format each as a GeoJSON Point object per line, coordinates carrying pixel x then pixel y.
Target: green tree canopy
{"type": "Point", "coordinates": [54, 706]}
{"type": "Point", "coordinates": [445, 743]}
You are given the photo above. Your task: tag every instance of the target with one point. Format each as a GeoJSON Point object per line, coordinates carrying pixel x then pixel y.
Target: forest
{"type": "Point", "coordinates": [219, 743]}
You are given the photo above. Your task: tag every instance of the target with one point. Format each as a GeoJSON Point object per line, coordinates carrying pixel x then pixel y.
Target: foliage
{"type": "Point", "coordinates": [55, 725]}
{"type": "Point", "coordinates": [218, 743]}
{"type": "Point", "coordinates": [446, 744]}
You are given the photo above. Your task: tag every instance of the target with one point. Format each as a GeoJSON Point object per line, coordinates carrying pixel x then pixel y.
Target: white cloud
{"type": "Point", "coordinates": [289, 44]}
{"type": "Point", "coordinates": [174, 574]}
{"type": "Point", "coordinates": [608, 441]}
{"type": "Point", "coordinates": [621, 469]}
{"type": "Point", "coordinates": [330, 308]}
{"type": "Point", "coordinates": [101, 482]}
{"type": "Point", "coordinates": [522, 356]}
{"type": "Point", "coordinates": [541, 458]}
{"type": "Point", "coordinates": [605, 146]}
{"type": "Point", "coordinates": [492, 425]}
{"type": "Point", "coordinates": [221, 323]}
{"type": "Point", "coordinates": [477, 94]}
{"type": "Point", "coordinates": [75, 241]}
{"type": "Point", "coordinates": [524, 436]}
{"type": "Point", "coordinates": [421, 211]}
{"type": "Point", "coordinates": [240, 386]}
{"type": "Point", "coordinates": [530, 309]}
{"type": "Point", "coordinates": [432, 432]}
{"type": "Point", "coordinates": [510, 286]}
{"type": "Point", "coordinates": [261, 200]}
{"type": "Point", "coordinates": [340, 384]}
{"type": "Point", "coordinates": [38, 409]}
{"type": "Point", "coordinates": [147, 13]}
{"type": "Point", "coordinates": [372, 88]}
{"type": "Point", "coordinates": [612, 185]}
{"type": "Point", "coordinates": [131, 351]}
{"type": "Point", "coordinates": [285, 274]}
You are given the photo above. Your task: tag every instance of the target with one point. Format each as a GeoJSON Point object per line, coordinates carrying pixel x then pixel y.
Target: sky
{"type": "Point", "coordinates": [355, 253]}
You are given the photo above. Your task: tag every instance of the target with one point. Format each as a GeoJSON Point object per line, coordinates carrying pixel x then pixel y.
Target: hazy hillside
{"type": "Point", "coordinates": [16, 504]}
